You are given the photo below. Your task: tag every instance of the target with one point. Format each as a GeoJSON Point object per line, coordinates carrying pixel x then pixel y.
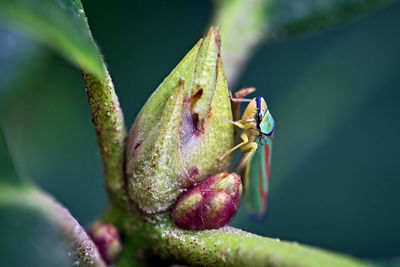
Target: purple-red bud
{"type": "Point", "coordinates": [107, 240]}
{"type": "Point", "coordinates": [209, 204]}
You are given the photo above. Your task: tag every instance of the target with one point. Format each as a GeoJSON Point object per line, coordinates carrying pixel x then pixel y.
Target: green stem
{"type": "Point", "coordinates": [84, 250]}
{"type": "Point", "coordinates": [226, 246]}
{"type": "Point", "coordinates": [243, 26]}
{"type": "Point", "coordinates": [110, 130]}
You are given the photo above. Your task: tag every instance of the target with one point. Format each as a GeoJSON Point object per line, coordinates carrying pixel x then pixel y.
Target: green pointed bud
{"type": "Point", "coordinates": [177, 137]}
{"type": "Point", "coordinates": [212, 203]}
{"type": "Point", "coordinates": [107, 240]}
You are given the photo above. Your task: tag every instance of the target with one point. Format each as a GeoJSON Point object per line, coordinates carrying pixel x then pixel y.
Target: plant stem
{"type": "Point", "coordinates": [243, 26]}
{"type": "Point", "coordinates": [226, 246]}
{"type": "Point", "coordinates": [110, 131]}
{"type": "Point", "coordinates": [83, 249]}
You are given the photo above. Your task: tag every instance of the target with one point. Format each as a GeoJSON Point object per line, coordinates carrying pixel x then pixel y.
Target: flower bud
{"type": "Point", "coordinates": [177, 136]}
{"type": "Point", "coordinates": [209, 204]}
{"type": "Point", "coordinates": [107, 240]}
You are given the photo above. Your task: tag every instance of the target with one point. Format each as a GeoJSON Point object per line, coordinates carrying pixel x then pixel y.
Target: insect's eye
{"type": "Point", "coordinates": [256, 116]}
{"type": "Point", "coordinates": [259, 115]}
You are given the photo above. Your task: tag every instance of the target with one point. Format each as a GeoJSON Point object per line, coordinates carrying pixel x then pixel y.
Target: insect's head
{"type": "Point", "coordinates": [265, 122]}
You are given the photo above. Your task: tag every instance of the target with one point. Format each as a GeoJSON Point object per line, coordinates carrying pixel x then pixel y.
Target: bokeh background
{"type": "Point", "coordinates": [334, 95]}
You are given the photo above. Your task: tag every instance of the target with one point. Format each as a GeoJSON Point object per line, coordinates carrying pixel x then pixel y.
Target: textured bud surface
{"type": "Point", "coordinates": [211, 203]}
{"type": "Point", "coordinates": [177, 138]}
{"type": "Point", "coordinates": [107, 240]}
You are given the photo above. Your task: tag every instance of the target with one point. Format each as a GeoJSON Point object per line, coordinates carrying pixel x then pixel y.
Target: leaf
{"type": "Point", "coordinates": [25, 230]}
{"type": "Point", "coordinates": [21, 59]}
{"type": "Point", "coordinates": [8, 173]}
{"type": "Point", "coordinates": [287, 17]}
{"type": "Point", "coordinates": [28, 237]}
{"type": "Point", "coordinates": [245, 24]}
{"type": "Point", "coordinates": [34, 225]}
{"type": "Point", "coordinates": [61, 25]}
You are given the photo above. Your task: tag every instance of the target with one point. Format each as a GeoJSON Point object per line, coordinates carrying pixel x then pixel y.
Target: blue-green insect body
{"type": "Point", "coordinates": [256, 177]}
{"type": "Point", "coordinates": [258, 126]}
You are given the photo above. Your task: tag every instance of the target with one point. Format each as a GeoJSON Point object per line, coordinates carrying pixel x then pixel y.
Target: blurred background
{"type": "Point", "coordinates": [334, 94]}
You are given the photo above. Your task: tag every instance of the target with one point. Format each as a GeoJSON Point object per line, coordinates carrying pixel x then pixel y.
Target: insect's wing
{"type": "Point", "coordinates": [256, 180]}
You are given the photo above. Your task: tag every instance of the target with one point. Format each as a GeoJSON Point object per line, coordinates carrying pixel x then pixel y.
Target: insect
{"type": "Point", "coordinates": [258, 128]}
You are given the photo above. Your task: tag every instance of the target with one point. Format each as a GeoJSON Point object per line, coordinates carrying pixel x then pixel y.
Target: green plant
{"type": "Point", "coordinates": [70, 35]}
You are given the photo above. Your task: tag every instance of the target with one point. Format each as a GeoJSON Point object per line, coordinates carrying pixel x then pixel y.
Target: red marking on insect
{"type": "Point", "coordinates": [267, 160]}
{"type": "Point", "coordinates": [261, 186]}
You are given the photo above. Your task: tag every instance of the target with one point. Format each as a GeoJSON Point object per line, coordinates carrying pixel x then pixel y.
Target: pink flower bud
{"type": "Point", "coordinates": [209, 204]}
{"type": "Point", "coordinates": [107, 240]}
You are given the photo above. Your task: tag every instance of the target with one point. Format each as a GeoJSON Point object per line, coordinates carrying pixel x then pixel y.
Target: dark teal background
{"type": "Point", "coordinates": [334, 96]}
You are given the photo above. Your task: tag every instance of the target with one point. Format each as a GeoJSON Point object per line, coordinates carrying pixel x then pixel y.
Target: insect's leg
{"type": "Point", "coordinates": [239, 124]}
{"type": "Point", "coordinates": [238, 99]}
{"type": "Point", "coordinates": [242, 93]}
{"type": "Point", "coordinates": [251, 148]}
{"type": "Point", "coordinates": [245, 141]}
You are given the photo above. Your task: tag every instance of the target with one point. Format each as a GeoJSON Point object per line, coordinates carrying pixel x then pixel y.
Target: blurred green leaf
{"type": "Point", "coordinates": [34, 225]}
{"type": "Point", "coordinates": [34, 240]}
{"type": "Point", "coordinates": [8, 173]}
{"type": "Point", "coordinates": [22, 60]}
{"type": "Point", "coordinates": [34, 234]}
{"type": "Point", "coordinates": [245, 24]}
{"type": "Point", "coordinates": [288, 17]}
{"type": "Point", "coordinates": [60, 24]}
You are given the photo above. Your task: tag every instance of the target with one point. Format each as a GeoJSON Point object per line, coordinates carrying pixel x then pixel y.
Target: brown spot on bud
{"type": "Point", "coordinates": [136, 146]}
{"type": "Point", "coordinates": [195, 122]}
{"type": "Point", "coordinates": [196, 97]}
